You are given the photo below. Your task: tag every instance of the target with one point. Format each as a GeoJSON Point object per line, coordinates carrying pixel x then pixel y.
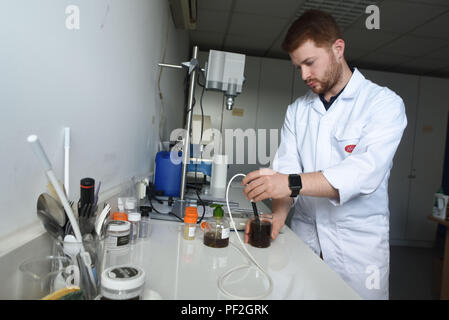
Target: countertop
{"type": "Point", "coordinates": [187, 269]}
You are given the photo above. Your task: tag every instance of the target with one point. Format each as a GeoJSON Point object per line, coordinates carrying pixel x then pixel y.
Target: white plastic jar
{"type": "Point", "coordinates": [125, 282]}
{"type": "Point", "coordinates": [117, 235]}
{"type": "Point", "coordinates": [134, 218]}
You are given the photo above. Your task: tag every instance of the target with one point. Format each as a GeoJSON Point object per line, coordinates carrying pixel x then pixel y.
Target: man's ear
{"type": "Point", "coordinates": [339, 49]}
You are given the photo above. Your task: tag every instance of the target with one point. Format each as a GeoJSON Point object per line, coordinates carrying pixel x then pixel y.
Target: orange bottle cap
{"type": "Point", "coordinates": [191, 210]}
{"type": "Point", "coordinates": [190, 218]}
{"type": "Point", "coordinates": [119, 216]}
{"type": "Point", "coordinates": [204, 225]}
{"type": "Point", "coordinates": [191, 215]}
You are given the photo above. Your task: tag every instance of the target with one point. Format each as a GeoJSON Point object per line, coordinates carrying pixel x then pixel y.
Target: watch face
{"type": "Point", "coordinates": [294, 181]}
{"type": "Point", "coordinates": [295, 184]}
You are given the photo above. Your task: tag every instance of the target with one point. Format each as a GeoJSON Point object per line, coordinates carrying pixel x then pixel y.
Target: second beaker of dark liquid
{"type": "Point", "coordinates": [260, 232]}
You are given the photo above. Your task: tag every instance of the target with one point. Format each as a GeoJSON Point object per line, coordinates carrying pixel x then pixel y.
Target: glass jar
{"type": "Point", "coordinates": [216, 230]}
{"type": "Point", "coordinates": [260, 231]}
{"type": "Point", "coordinates": [190, 219]}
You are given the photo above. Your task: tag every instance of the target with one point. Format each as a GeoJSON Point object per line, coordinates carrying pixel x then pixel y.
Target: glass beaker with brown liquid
{"type": "Point", "coordinates": [260, 231]}
{"type": "Point", "coordinates": [216, 230]}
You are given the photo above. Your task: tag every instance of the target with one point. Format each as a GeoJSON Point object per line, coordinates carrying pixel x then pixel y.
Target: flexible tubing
{"type": "Point", "coordinates": [245, 252]}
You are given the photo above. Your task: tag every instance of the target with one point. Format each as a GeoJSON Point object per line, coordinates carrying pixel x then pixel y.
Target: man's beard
{"type": "Point", "coordinates": [331, 77]}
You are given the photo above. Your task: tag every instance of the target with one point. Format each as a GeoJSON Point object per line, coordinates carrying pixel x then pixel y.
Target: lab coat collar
{"type": "Point", "coordinates": [350, 91]}
{"type": "Point", "coordinates": [353, 86]}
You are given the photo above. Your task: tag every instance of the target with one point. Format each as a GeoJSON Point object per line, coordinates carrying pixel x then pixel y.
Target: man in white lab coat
{"type": "Point", "coordinates": [337, 147]}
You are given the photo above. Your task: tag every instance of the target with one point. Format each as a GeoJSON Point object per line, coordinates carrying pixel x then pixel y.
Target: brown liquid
{"type": "Point", "coordinates": [215, 242]}
{"type": "Point", "coordinates": [260, 234]}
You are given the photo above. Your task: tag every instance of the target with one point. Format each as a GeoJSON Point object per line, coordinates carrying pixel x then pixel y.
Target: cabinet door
{"type": "Point", "coordinates": [406, 86]}
{"type": "Point", "coordinates": [428, 156]}
{"type": "Point", "coordinates": [274, 97]}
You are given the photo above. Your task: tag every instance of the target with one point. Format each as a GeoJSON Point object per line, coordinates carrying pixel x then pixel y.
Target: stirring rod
{"type": "Point", "coordinates": [256, 213]}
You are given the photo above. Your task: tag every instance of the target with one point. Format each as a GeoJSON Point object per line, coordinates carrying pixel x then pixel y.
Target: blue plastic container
{"type": "Point", "coordinates": [167, 176]}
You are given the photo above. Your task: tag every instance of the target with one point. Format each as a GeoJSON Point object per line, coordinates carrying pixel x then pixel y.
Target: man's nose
{"type": "Point", "coordinates": [305, 74]}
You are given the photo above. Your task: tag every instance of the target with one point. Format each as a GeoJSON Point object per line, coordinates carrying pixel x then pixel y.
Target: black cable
{"type": "Point", "coordinates": [172, 214]}
{"type": "Point", "coordinates": [198, 81]}
{"type": "Point", "coordinates": [154, 208]}
{"type": "Point", "coordinates": [202, 203]}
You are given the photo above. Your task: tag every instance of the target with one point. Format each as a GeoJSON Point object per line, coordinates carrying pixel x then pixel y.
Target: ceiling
{"type": "Point", "coordinates": [413, 35]}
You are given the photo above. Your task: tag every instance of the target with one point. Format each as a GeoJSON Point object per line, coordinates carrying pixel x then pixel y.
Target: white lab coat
{"type": "Point", "coordinates": [353, 144]}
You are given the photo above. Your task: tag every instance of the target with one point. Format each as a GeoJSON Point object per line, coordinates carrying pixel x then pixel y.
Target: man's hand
{"type": "Point", "coordinates": [266, 183]}
{"type": "Point", "coordinates": [278, 223]}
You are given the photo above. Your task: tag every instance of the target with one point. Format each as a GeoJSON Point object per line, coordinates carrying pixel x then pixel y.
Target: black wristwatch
{"type": "Point", "coordinates": [295, 184]}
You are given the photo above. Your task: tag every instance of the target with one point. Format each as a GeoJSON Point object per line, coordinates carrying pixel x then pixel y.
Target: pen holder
{"type": "Point", "coordinates": [87, 281]}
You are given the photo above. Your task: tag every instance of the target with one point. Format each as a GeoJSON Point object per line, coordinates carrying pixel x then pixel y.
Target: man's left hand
{"type": "Point", "coordinates": [266, 183]}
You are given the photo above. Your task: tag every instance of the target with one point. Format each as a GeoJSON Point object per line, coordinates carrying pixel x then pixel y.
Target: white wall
{"type": "Point", "coordinates": [100, 80]}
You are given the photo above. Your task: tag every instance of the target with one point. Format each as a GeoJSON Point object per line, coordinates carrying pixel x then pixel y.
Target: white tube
{"type": "Point", "coordinates": [39, 151]}
{"type": "Point", "coordinates": [249, 256]}
{"type": "Point", "coordinates": [66, 159]}
{"type": "Point", "coordinates": [51, 176]}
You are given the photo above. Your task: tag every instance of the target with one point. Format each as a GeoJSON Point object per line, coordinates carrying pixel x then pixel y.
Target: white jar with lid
{"type": "Point", "coordinates": [125, 282]}
{"type": "Point", "coordinates": [117, 235]}
{"type": "Point", "coordinates": [134, 219]}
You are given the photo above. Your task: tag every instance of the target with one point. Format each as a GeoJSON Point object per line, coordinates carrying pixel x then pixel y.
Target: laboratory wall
{"type": "Point", "coordinates": [91, 66]}
{"type": "Point", "coordinates": [272, 84]}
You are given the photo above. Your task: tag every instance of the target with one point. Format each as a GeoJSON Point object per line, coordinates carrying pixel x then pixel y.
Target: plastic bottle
{"type": "Point", "coordinates": [119, 216]}
{"type": "Point", "coordinates": [167, 176]}
{"type": "Point", "coordinates": [117, 235]}
{"type": "Point", "coordinates": [190, 218]}
{"type": "Point", "coordinates": [216, 229]}
{"type": "Point", "coordinates": [130, 205]}
{"type": "Point", "coordinates": [116, 244]}
{"type": "Point", "coordinates": [145, 223]}
{"type": "Point", "coordinates": [121, 204]}
{"type": "Point", "coordinates": [134, 218]}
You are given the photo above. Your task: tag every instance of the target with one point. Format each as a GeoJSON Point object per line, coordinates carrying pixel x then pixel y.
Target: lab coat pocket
{"type": "Point", "coordinates": [364, 246]}
{"type": "Point", "coordinates": [345, 140]}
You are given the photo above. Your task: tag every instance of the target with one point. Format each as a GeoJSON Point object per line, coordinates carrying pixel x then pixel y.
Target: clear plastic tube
{"type": "Point", "coordinates": [244, 252]}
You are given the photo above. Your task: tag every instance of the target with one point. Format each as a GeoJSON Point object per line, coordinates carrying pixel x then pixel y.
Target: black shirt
{"type": "Point", "coordinates": [327, 104]}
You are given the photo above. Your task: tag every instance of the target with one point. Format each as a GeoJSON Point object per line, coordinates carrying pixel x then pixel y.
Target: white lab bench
{"type": "Point", "coordinates": [187, 269]}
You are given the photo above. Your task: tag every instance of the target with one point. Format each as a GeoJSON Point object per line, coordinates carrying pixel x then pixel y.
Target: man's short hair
{"type": "Point", "coordinates": [314, 25]}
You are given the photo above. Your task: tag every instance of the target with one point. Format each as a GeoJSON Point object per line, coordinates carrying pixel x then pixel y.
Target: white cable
{"type": "Point", "coordinates": [66, 159]}
{"type": "Point", "coordinates": [249, 255]}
